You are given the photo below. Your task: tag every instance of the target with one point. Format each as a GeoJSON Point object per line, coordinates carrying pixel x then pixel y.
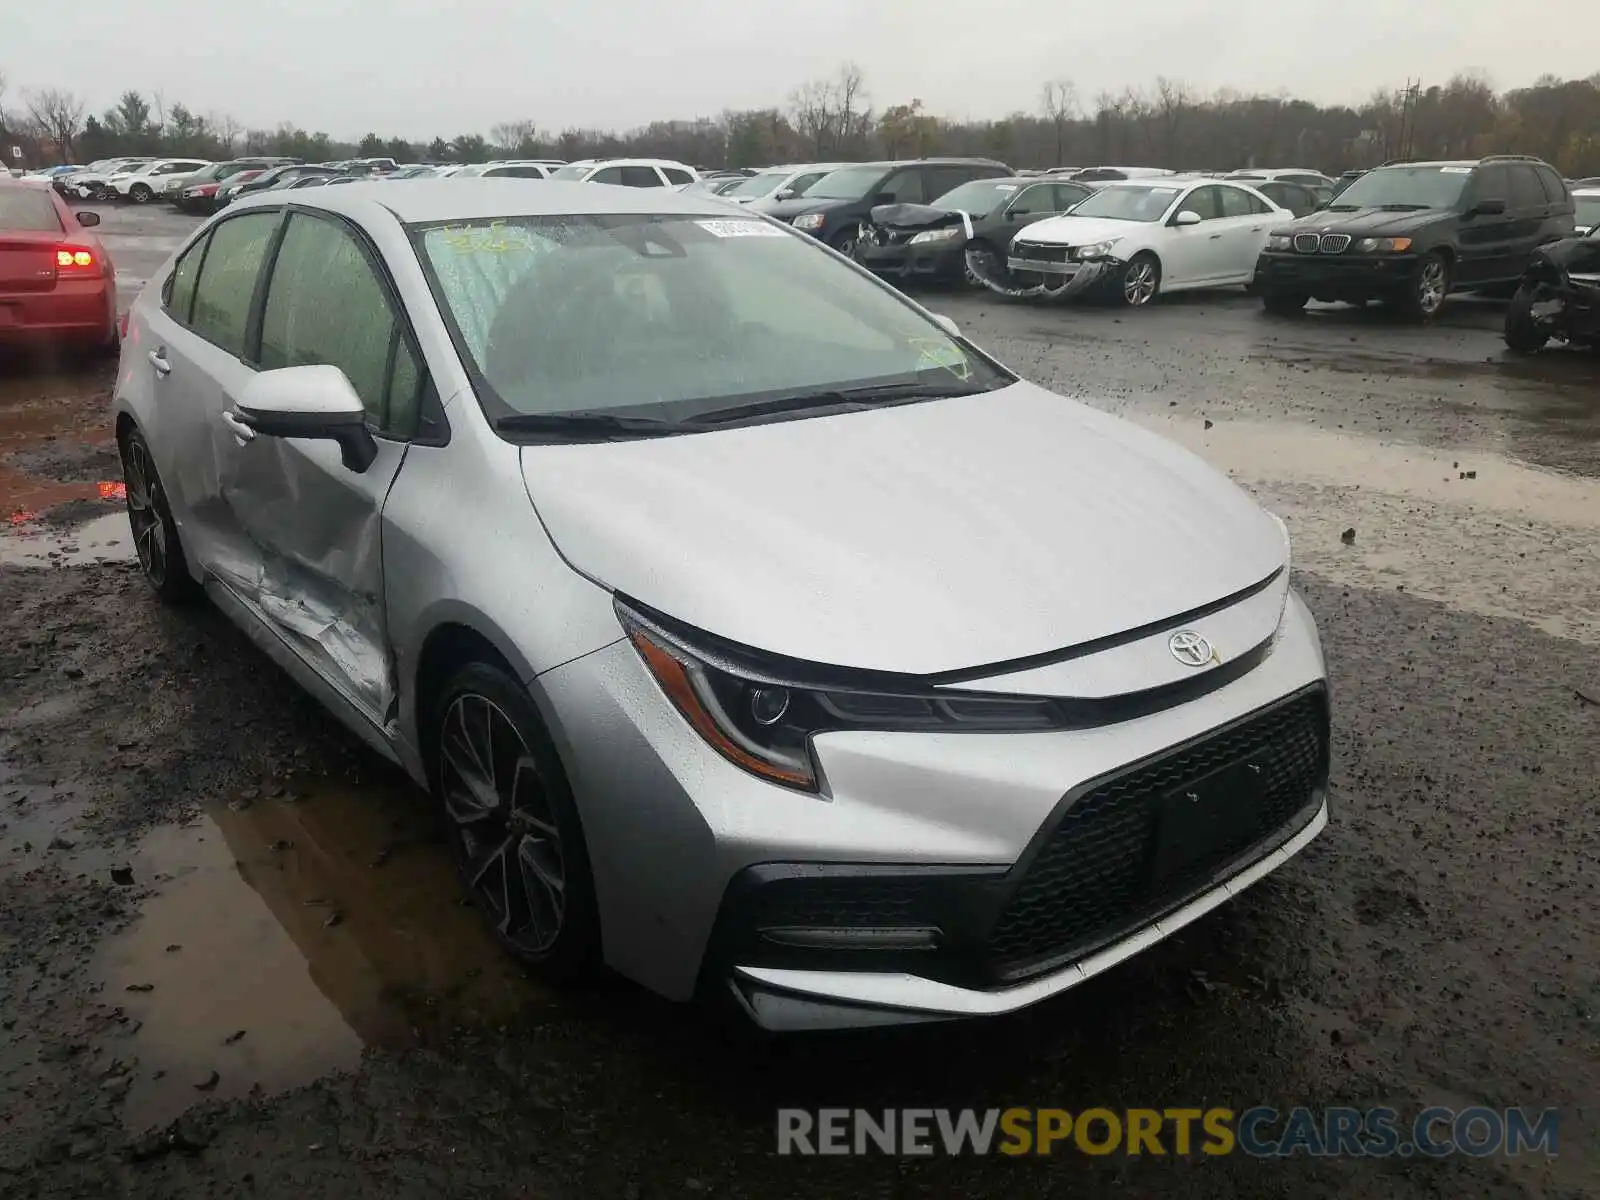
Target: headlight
{"type": "Point", "coordinates": [1098, 249]}
{"type": "Point", "coordinates": [1383, 245]}
{"type": "Point", "coordinates": [948, 234]}
{"type": "Point", "coordinates": [809, 221]}
{"type": "Point", "coordinates": [760, 718]}
{"type": "Point", "coordinates": [1280, 241]}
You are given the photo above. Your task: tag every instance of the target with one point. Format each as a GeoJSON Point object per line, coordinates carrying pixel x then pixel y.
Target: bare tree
{"type": "Point", "coordinates": [57, 115]}
{"type": "Point", "coordinates": [226, 128]}
{"type": "Point", "coordinates": [853, 107]}
{"type": "Point", "coordinates": [812, 109]}
{"type": "Point", "coordinates": [1059, 100]}
{"type": "Point", "coordinates": [1172, 97]}
{"type": "Point", "coordinates": [515, 137]}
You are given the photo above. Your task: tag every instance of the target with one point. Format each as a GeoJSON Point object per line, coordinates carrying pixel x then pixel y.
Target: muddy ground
{"type": "Point", "coordinates": [232, 961]}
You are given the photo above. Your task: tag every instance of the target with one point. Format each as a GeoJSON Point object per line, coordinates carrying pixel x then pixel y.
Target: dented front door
{"type": "Point", "coordinates": [316, 526]}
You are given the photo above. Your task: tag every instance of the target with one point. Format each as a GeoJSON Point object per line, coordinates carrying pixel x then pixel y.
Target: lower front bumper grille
{"type": "Point", "coordinates": [1108, 867]}
{"type": "Point", "coordinates": [1110, 861]}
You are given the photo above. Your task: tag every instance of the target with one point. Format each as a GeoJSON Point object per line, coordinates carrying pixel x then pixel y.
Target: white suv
{"type": "Point", "coordinates": [156, 178]}
{"type": "Point", "coordinates": [629, 172]}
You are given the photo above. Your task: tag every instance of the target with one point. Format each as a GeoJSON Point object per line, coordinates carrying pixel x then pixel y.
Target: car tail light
{"type": "Point", "coordinates": [75, 260]}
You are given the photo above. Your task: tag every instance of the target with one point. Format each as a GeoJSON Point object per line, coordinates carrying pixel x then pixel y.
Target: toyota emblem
{"type": "Point", "coordinates": [1190, 648]}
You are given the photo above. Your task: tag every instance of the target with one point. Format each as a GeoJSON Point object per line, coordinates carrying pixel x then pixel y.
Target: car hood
{"type": "Point", "coordinates": [1367, 221]}
{"type": "Point", "coordinates": [919, 538]}
{"type": "Point", "coordinates": [1080, 231]}
{"type": "Point", "coordinates": [917, 216]}
{"type": "Point", "coordinates": [788, 210]}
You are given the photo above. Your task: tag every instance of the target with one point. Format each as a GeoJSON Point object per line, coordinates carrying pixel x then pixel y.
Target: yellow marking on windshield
{"type": "Point", "coordinates": [495, 238]}
{"type": "Point", "coordinates": [943, 353]}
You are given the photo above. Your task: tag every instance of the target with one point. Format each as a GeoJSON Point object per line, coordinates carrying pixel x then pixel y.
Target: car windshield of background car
{"type": "Point", "coordinates": [849, 183]}
{"type": "Point", "coordinates": [1587, 215]}
{"type": "Point", "coordinates": [759, 185]}
{"type": "Point", "coordinates": [980, 197]}
{"type": "Point", "coordinates": [1129, 203]}
{"type": "Point", "coordinates": [664, 316]}
{"type": "Point", "coordinates": [1406, 188]}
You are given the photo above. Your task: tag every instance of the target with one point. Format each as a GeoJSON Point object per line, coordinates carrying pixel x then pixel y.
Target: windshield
{"type": "Point", "coordinates": [1406, 187]}
{"type": "Point", "coordinates": [1145, 203]}
{"type": "Point", "coordinates": [1588, 211]}
{"type": "Point", "coordinates": [980, 197]}
{"type": "Point", "coordinates": [667, 316]}
{"type": "Point", "coordinates": [27, 208]}
{"type": "Point", "coordinates": [847, 183]}
{"type": "Point", "coordinates": [760, 185]}
{"type": "Point", "coordinates": [573, 171]}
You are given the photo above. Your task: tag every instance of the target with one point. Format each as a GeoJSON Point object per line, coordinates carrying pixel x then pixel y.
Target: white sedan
{"type": "Point", "coordinates": [1138, 238]}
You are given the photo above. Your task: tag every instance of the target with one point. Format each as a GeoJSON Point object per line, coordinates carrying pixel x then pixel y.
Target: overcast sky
{"type": "Point", "coordinates": [442, 67]}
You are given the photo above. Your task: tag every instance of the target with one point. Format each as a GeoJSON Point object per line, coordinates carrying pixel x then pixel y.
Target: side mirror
{"type": "Point", "coordinates": [88, 219]}
{"type": "Point", "coordinates": [946, 324]}
{"type": "Point", "coordinates": [1487, 208]}
{"type": "Point", "coordinates": [307, 402]}
{"type": "Point", "coordinates": [785, 194]}
{"type": "Point", "coordinates": [1187, 217]}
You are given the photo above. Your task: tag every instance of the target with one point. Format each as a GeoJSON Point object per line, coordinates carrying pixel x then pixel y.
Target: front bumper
{"type": "Point", "coordinates": [946, 830]}
{"type": "Point", "coordinates": [1336, 276]}
{"type": "Point", "coordinates": [935, 261]}
{"type": "Point", "coordinates": [1030, 277]}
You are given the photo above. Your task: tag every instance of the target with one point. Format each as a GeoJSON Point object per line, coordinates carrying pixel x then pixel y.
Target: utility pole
{"type": "Point", "coordinates": [1408, 116]}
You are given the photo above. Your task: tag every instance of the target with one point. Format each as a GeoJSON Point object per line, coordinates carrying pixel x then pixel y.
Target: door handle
{"type": "Point", "coordinates": [1216, 237]}
{"type": "Point", "coordinates": [158, 360]}
{"type": "Point", "coordinates": [241, 431]}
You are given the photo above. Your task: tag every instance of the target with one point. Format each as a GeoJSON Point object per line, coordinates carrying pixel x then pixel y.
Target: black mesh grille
{"type": "Point", "coordinates": [1097, 875]}
{"type": "Point", "coordinates": [1039, 253]}
{"type": "Point", "coordinates": [852, 902]}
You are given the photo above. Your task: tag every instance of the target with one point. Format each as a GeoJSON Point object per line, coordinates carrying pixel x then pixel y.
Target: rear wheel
{"type": "Point", "coordinates": [155, 533]}
{"type": "Point", "coordinates": [514, 830]}
{"type": "Point", "coordinates": [1523, 333]}
{"type": "Point", "coordinates": [140, 193]}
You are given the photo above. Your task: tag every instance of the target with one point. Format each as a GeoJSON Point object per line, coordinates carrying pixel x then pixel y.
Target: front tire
{"type": "Point", "coordinates": [512, 824]}
{"type": "Point", "coordinates": [1423, 299]}
{"type": "Point", "coordinates": [1140, 283]}
{"type": "Point", "coordinates": [845, 240]}
{"type": "Point", "coordinates": [1284, 304]}
{"type": "Point", "coordinates": [1523, 334]}
{"type": "Point", "coordinates": [140, 193]}
{"type": "Point", "coordinates": [989, 259]}
{"type": "Point", "coordinates": [155, 533]}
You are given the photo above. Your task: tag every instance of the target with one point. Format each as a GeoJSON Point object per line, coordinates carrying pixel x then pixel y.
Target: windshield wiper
{"type": "Point", "coordinates": [589, 425]}
{"type": "Point", "coordinates": [1404, 207]}
{"type": "Point", "coordinates": [842, 399]}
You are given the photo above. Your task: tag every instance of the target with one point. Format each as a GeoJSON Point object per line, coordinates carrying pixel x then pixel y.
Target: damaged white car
{"type": "Point", "coordinates": [1135, 239]}
{"type": "Point", "coordinates": [758, 635]}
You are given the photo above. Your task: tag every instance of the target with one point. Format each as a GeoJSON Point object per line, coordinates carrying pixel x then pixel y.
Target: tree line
{"type": "Point", "coordinates": [1166, 123]}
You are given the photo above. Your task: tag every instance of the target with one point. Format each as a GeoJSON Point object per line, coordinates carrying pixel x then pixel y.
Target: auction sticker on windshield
{"type": "Point", "coordinates": [1455, 170]}
{"type": "Point", "coordinates": [726, 229]}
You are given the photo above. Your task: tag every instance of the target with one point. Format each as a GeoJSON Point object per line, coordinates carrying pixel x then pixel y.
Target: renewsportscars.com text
{"type": "Point", "coordinates": [1262, 1132]}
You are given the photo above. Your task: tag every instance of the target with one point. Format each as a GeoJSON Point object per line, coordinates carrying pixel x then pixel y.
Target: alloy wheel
{"type": "Point", "coordinates": [510, 847]}
{"type": "Point", "coordinates": [146, 505]}
{"type": "Point", "coordinates": [1139, 282]}
{"type": "Point", "coordinates": [1431, 285]}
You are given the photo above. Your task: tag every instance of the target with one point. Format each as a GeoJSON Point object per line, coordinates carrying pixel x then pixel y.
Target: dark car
{"type": "Point", "coordinates": [1409, 234]}
{"type": "Point", "coordinates": [199, 191]}
{"type": "Point", "coordinates": [1298, 198]}
{"type": "Point", "coordinates": [277, 175]}
{"type": "Point", "coordinates": [836, 207]}
{"type": "Point", "coordinates": [978, 219]}
{"type": "Point", "coordinates": [1346, 179]}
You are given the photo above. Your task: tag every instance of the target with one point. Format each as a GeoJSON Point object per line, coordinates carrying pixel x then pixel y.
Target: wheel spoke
{"type": "Point", "coordinates": [496, 855]}
{"type": "Point", "coordinates": [544, 888]}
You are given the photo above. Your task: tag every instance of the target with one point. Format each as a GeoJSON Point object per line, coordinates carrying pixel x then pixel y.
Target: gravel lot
{"type": "Point", "coordinates": [232, 961]}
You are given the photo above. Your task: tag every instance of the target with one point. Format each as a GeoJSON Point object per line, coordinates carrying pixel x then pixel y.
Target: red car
{"type": "Point", "coordinates": [57, 283]}
{"type": "Point", "coordinates": [202, 198]}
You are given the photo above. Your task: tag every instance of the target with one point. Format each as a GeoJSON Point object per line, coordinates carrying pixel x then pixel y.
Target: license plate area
{"type": "Point", "coordinates": [1208, 819]}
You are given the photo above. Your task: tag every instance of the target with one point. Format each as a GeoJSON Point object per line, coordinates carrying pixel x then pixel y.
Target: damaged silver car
{"type": "Point", "coordinates": [757, 634]}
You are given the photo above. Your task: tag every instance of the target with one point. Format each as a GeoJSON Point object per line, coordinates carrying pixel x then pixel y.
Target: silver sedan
{"type": "Point", "coordinates": [758, 635]}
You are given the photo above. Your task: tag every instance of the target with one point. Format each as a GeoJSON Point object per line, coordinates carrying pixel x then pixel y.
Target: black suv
{"type": "Point", "coordinates": [1409, 234]}
{"type": "Point", "coordinates": [836, 207]}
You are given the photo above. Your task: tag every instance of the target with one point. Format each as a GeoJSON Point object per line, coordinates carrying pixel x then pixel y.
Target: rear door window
{"type": "Point", "coordinates": [1526, 190]}
{"type": "Point", "coordinates": [677, 175]}
{"type": "Point", "coordinates": [228, 277]}
{"type": "Point", "coordinates": [640, 177]}
{"type": "Point", "coordinates": [607, 175]}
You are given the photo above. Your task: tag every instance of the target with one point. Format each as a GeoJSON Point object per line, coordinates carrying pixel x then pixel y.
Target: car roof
{"type": "Point", "coordinates": [478, 198]}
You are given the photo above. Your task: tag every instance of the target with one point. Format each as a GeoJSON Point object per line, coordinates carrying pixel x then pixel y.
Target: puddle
{"type": "Point", "coordinates": [108, 538]}
{"type": "Point", "coordinates": [1515, 541]}
{"type": "Point", "coordinates": [315, 927]}
{"type": "Point", "coordinates": [1303, 454]}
